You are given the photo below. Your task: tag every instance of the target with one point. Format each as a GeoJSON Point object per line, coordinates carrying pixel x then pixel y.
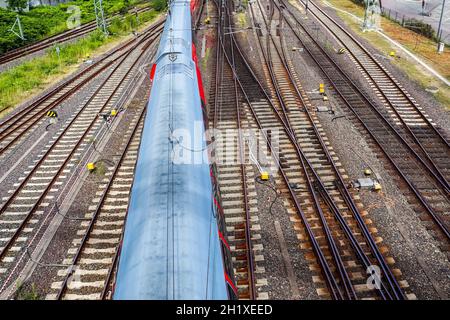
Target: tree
{"type": "Point", "coordinates": [126, 6]}
{"type": "Point", "coordinates": [17, 4]}
{"type": "Point", "coordinates": [159, 5]}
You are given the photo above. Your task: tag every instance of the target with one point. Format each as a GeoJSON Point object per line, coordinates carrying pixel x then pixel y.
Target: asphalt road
{"type": "Point", "coordinates": [413, 9]}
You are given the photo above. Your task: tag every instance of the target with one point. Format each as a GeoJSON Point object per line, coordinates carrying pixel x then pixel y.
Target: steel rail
{"type": "Point", "coordinates": [11, 240]}
{"type": "Point", "coordinates": [199, 15]}
{"type": "Point", "coordinates": [65, 96]}
{"type": "Point", "coordinates": [336, 208]}
{"type": "Point", "coordinates": [345, 279]}
{"type": "Point", "coordinates": [113, 267]}
{"type": "Point", "coordinates": [371, 57]}
{"type": "Point", "coordinates": [16, 117]}
{"type": "Point", "coordinates": [45, 43]}
{"type": "Point", "coordinates": [269, 63]}
{"type": "Point", "coordinates": [438, 220]}
{"type": "Point", "coordinates": [21, 52]}
{"type": "Point", "coordinates": [328, 275]}
{"type": "Point", "coordinates": [96, 214]}
{"type": "Point", "coordinates": [364, 97]}
{"type": "Point", "coordinates": [328, 199]}
{"type": "Point", "coordinates": [438, 171]}
{"type": "Point", "coordinates": [247, 224]}
{"type": "Point", "coordinates": [394, 285]}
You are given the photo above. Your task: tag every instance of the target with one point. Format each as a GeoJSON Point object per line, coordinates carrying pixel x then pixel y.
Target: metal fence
{"type": "Point", "coordinates": [413, 23]}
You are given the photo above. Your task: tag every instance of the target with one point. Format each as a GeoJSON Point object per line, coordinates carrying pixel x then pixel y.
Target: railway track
{"type": "Point", "coordinates": [393, 138]}
{"type": "Point", "coordinates": [335, 231]}
{"type": "Point", "coordinates": [63, 37]}
{"type": "Point", "coordinates": [16, 127]}
{"type": "Point", "coordinates": [236, 178]}
{"type": "Point", "coordinates": [92, 258]}
{"type": "Point", "coordinates": [404, 110]}
{"type": "Point", "coordinates": [31, 200]}
{"type": "Point", "coordinates": [21, 52]}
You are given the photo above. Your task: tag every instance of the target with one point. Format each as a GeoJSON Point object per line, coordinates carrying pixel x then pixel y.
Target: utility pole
{"type": "Point", "coordinates": [306, 5]}
{"type": "Point", "coordinates": [372, 7]}
{"type": "Point", "coordinates": [19, 26]}
{"type": "Point", "coordinates": [99, 16]}
{"type": "Point", "coordinates": [366, 14]}
{"type": "Point", "coordinates": [240, 7]}
{"type": "Point", "coordinates": [136, 15]}
{"type": "Point", "coordinates": [439, 33]}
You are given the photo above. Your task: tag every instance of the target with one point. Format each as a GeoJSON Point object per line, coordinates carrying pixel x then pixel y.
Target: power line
{"type": "Point", "coordinates": [439, 33]}
{"type": "Point", "coordinates": [19, 27]}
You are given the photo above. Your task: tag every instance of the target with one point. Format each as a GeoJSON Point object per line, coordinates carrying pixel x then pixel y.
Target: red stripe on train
{"type": "Point", "coordinates": [224, 240]}
{"type": "Point", "coordinates": [193, 3]}
{"type": "Point", "coordinates": [228, 280]}
{"type": "Point", "coordinates": [152, 72]}
{"type": "Point", "coordinates": [199, 77]}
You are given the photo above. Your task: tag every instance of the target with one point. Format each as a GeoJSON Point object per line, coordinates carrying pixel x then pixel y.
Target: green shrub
{"type": "Point", "coordinates": [17, 4]}
{"type": "Point", "coordinates": [32, 74]}
{"type": "Point", "coordinates": [28, 293]}
{"type": "Point", "coordinates": [159, 5]}
{"type": "Point", "coordinates": [360, 2]}
{"type": "Point", "coordinates": [420, 27]}
{"type": "Point", "coordinates": [115, 25]}
{"type": "Point", "coordinates": [44, 21]}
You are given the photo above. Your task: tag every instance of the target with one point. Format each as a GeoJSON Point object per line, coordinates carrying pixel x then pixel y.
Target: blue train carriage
{"type": "Point", "coordinates": [174, 244]}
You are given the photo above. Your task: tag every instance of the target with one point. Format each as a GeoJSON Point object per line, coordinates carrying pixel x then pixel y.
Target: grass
{"type": "Point", "coordinates": [205, 59]}
{"type": "Point", "coordinates": [423, 47]}
{"type": "Point", "coordinates": [18, 83]}
{"type": "Point", "coordinates": [44, 21]}
{"type": "Point", "coordinates": [241, 20]}
{"type": "Point", "coordinates": [100, 168]}
{"type": "Point", "coordinates": [30, 293]}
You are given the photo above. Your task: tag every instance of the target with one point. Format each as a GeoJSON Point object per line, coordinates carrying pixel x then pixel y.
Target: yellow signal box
{"type": "Point", "coordinates": [321, 88]}
{"type": "Point", "coordinates": [264, 176]}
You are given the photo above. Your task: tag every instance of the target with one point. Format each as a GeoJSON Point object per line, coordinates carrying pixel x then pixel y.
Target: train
{"type": "Point", "coordinates": [174, 243]}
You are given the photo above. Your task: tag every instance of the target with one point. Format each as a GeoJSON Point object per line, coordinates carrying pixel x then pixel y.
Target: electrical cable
{"type": "Point", "coordinates": [277, 194]}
